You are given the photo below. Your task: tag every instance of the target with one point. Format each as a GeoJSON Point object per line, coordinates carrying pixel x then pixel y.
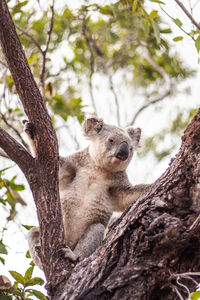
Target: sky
{"type": "Point", "coordinates": [150, 171]}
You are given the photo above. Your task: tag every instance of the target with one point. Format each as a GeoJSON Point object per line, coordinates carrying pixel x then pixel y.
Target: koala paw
{"type": "Point", "coordinates": [68, 253]}
{"type": "Point", "coordinates": [29, 128]}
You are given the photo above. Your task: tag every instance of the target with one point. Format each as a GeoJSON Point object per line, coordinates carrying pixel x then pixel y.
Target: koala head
{"type": "Point", "coordinates": [111, 147]}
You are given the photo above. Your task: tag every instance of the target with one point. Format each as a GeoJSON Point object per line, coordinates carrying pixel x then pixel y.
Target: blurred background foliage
{"type": "Point", "coordinates": [82, 56]}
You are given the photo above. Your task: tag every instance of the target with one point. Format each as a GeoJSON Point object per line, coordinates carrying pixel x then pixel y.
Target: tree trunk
{"type": "Point", "coordinates": [41, 172]}
{"type": "Point", "coordinates": [151, 252]}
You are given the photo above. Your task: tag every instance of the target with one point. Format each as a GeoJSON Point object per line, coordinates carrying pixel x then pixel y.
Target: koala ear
{"type": "Point", "coordinates": [92, 126]}
{"type": "Point", "coordinates": [135, 135]}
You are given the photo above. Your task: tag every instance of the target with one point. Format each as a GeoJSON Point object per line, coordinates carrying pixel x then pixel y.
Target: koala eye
{"type": "Point", "coordinates": [131, 148]}
{"type": "Point", "coordinates": [111, 141]}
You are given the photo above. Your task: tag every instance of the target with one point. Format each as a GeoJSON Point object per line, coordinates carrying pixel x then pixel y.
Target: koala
{"type": "Point", "coordinates": [93, 183]}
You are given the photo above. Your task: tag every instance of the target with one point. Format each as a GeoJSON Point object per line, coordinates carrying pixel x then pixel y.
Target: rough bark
{"type": "Point", "coordinates": [156, 238]}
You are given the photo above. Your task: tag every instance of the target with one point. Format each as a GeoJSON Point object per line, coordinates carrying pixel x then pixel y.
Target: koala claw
{"type": "Point", "coordinates": [29, 128]}
{"type": "Point", "coordinates": [68, 253]}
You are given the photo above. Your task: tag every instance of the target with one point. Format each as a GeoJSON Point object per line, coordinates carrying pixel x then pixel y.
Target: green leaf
{"type": "Point", "coordinates": [28, 254]}
{"type": "Point", "coordinates": [197, 43]}
{"type": "Point", "coordinates": [28, 273]}
{"type": "Point", "coordinates": [153, 14]}
{"type": "Point", "coordinates": [135, 2]}
{"type": "Point", "coordinates": [38, 294]}
{"type": "Point", "coordinates": [28, 227]}
{"type": "Point", "coordinates": [4, 297]}
{"type": "Point", "coordinates": [106, 10]}
{"type": "Point", "coordinates": [3, 170]}
{"type": "Point", "coordinates": [178, 38]}
{"type": "Point", "coordinates": [195, 295]}
{"type": "Point", "coordinates": [3, 248]}
{"type": "Point", "coordinates": [177, 22]}
{"type": "Point", "coordinates": [18, 187]}
{"type": "Point", "coordinates": [156, 31]}
{"type": "Point", "coordinates": [35, 281]}
{"type": "Point", "coordinates": [157, 1]}
{"type": "Point", "coordinates": [18, 277]}
{"type": "Point", "coordinates": [167, 30]}
{"type": "Point", "coordinates": [2, 260]}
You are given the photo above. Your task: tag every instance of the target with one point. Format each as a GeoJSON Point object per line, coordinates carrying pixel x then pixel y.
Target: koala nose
{"type": "Point", "coordinates": [123, 151]}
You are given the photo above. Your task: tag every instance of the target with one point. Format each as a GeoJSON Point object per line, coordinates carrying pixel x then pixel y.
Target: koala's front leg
{"type": "Point", "coordinates": [90, 240]}
{"type": "Point", "coordinates": [29, 129]}
{"type": "Point", "coordinates": [88, 243]}
{"type": "Point", "coordinates": [123, 196]}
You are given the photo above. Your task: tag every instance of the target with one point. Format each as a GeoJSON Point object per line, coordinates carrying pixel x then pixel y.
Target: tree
{"type": "Point", "coordinates": [155, 242]}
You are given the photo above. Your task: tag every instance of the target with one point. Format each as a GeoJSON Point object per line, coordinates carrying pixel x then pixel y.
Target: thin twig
{"type": "Point", "coordinates": [173, 19]}
{"type": "Point", "coordinates": [177, 292]}
{"type": "Point", "coordinates": [44, 53]}
{"type": "Point", "coordinates": [107, 71]}
{"type": "Point", "coordinates": [99, 53]}
{"type": "Point", "coordinates": [91, 93]}
{"type": "Point", "coordinates": [195, 223]}
{"type": "Point", "coordinates": [72, 136]}
{"type": "Point", "coordinates": [183, 286]}
{"type": "Point", "coordinates": [186, 274]}
{"type": "Point", "coordinates": [27, 22]}
{"type": "Point", "coordinates": [188, 14]}
{"type": "Point", "coordinates": [14, 129]}
{"type": "Point", "coordinates": [192, 279]}
{"type": "Point", "coordinates": [30, 36]}
{"type": "Point", "coordinates": [164, 75]}
{"type": "Point", "coordinates": [84, 30]}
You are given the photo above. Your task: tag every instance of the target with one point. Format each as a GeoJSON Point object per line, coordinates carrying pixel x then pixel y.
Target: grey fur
{"type": "Point", "coordinates": [93, 183]}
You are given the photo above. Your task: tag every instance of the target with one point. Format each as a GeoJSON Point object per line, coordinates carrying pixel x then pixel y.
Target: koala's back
{"type": "Point", "coordinates": [85, 200]}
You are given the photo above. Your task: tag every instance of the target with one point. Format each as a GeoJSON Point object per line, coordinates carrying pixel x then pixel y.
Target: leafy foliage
{"type": "Point", "coordinates": [21, 287]}
{"type": "Point", "coordinates": [9, 197]}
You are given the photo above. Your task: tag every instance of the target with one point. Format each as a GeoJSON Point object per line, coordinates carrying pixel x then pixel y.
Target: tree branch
{"type": "Point", "coordinates": [14, 129]}
{"type": "Point", "coordinates": [30, 36]}
{"type": "Point", "coordinates": [15, 151]}
{"type": "Point", "coordinates": [3, 154]}
{"type": "Point", "coordinates": [187, 13]}
{"type": "Point", "coordinates": [164, 75]}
